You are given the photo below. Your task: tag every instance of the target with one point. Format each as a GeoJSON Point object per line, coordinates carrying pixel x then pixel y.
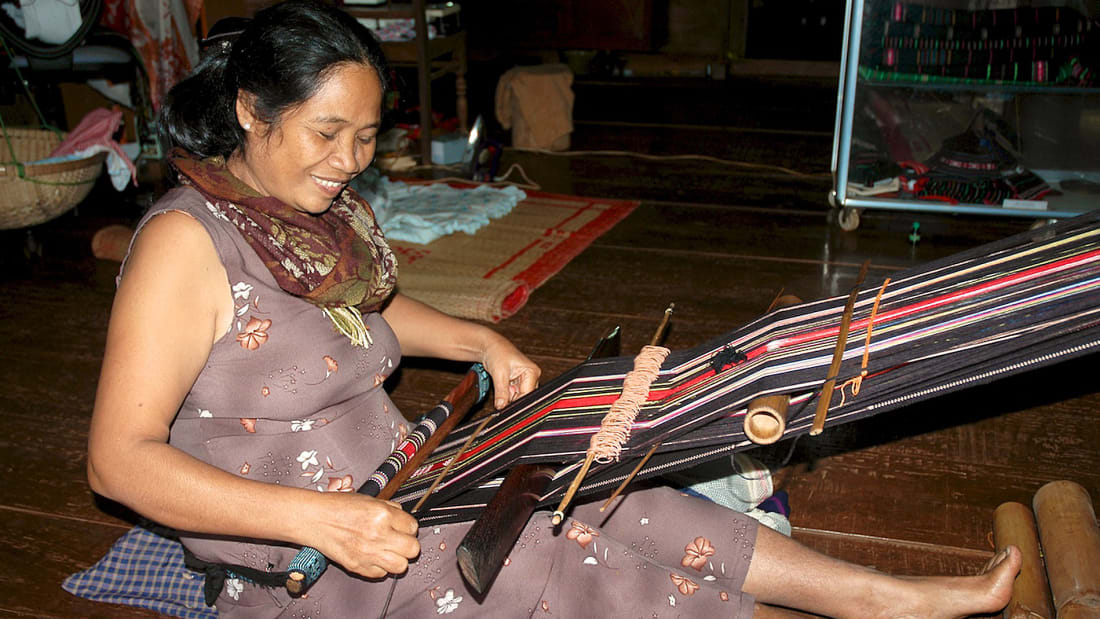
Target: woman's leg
{"type": "Point", "coordinates": [786, 573]}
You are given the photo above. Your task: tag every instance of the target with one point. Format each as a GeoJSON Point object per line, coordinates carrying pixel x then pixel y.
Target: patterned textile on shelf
{"type": "Point", "coordinates": [979, 166]}
{"type": "Point", "coordinates": [1028, 45]}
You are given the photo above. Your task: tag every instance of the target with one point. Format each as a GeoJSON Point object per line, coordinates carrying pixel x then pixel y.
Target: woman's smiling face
{"type": "Point", "coordinates": [308, 156]}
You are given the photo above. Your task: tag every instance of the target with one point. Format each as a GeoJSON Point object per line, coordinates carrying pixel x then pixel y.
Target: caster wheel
{"type": "Point", "coordinates": [849, 219]}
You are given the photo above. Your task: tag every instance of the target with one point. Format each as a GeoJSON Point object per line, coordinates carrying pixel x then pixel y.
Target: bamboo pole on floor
{"type": "Point", "coordinates": [1014, 525]}
{"type": "Point", "coordinates": [1071, 548]}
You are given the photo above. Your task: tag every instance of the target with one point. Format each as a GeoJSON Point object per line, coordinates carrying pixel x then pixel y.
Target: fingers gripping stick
{"type": "Point", "coordinates": [308, 565]}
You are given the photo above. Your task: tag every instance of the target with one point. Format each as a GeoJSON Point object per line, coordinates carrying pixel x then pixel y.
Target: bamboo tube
{"type": "Point", "coordinates": [1071, 547]}
{"type": "Point", "coordinates": [1014, 525]}
{"type": "Point", "coordinates": [766, 419]}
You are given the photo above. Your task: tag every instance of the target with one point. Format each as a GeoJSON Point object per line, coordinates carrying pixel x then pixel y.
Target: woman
{"type": "Point", "coordinates": [254, 324]}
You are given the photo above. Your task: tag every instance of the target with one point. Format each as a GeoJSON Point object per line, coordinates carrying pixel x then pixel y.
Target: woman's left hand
{"type": "Point", "coordinates": [512, 372]}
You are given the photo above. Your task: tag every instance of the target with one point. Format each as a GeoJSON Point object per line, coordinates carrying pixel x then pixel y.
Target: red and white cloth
{"type": "Point", "coordinates": [162, 32]}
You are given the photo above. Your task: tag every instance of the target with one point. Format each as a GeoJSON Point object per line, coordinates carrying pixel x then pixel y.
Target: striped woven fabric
{"type": "Point", "coordinates": [1025, 45]}
{"type": "Point", "coordinates": [998, 310]}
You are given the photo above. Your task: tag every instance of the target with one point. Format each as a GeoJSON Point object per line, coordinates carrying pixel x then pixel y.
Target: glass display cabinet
{"type": "Point", "coordinates": [968, 106]}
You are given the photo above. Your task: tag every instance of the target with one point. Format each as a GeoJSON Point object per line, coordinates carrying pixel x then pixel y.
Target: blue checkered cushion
{"type": "Point", "coordinates": [146, 570]}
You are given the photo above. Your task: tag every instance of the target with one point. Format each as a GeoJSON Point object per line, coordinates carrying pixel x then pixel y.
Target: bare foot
{"type": "Point", "coordinates": [944, 597]}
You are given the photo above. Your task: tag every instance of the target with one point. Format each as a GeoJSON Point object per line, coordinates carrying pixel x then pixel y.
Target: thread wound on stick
{"type": "Point", "coordinates": [607, 443]}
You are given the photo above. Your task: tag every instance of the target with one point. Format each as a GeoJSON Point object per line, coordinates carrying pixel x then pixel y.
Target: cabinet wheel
{"type": "Point", "coordinates": [849, 219]}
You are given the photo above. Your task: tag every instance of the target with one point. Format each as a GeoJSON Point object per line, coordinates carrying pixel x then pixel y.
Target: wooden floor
{"type": "Point", "coordinates": [910, 492]}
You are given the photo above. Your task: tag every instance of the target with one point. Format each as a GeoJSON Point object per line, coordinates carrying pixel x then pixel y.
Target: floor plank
{"type": "Point", "coordinates": [53, 548]}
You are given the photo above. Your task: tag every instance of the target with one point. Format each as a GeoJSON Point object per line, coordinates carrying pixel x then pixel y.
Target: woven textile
{"type": "Point", "coordinates": [1026, 45]}
{"type": "Point", "coordinates": [146, 570]}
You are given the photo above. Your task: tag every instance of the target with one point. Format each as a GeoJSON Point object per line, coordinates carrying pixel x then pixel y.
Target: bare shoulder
{"type": "Point", "coordinates": [172, 235]}
{"type": "Point", "coordinates": [174, 267]}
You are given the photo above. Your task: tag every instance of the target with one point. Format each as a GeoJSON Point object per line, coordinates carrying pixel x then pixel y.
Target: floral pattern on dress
{"type": "Point", "coordinates": [447, 603]}
{"type": "Point", "coordinates": [254, 334]}
{"type": "Point", "coordinates": [582, 533]}
{"type": "Point", "coordinates": [244, 302]}
{"type": "Point", "coordinates": [685, 586]}
{"type": "Point", "coordinates": [340, 484]}
{"type": "Point", "coordinates": [696, 553]}
{"type": "Point", "coordinates": [309, 459]}
{"type": "Point", "coordinates": [234, 587]}
{"type": "Point", "coordinates": [331, 367]}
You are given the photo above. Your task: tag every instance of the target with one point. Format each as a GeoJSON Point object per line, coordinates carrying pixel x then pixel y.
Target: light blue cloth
{"type": "Point", "coordinates": [740, 483]}
{"type": "Point", "coordinates": [423, 213]}
{"type": "Point", "coordinates": [118, 170]}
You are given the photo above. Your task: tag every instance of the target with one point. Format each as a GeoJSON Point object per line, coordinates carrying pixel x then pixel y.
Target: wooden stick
{"type": "Point", "coordinates": [630, 478]}
{"type": "Point", "coordinates": [838, 355]}
{"type": "Point", "coordinates": [451, 463]}
{"type": "Point", "coordinates": [559, 513]}
{"type": "Point", "coordinates": [1071, 547]}
{"type": "Point", "coordinates": [1014, 525]}
{"type": "Point", "coordinates": [664, 324]}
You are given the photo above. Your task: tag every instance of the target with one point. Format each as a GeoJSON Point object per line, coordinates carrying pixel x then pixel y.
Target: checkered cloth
{"type": "Point", "coordinates": [146, 570]}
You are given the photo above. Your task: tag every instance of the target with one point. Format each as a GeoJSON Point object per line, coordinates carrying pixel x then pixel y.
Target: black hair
{"type": "Point", "coordinates": [282, 57]}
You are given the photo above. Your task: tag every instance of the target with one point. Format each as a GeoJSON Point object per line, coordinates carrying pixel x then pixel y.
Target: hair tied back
{"type": "Point", "coordinates": [222, 34]}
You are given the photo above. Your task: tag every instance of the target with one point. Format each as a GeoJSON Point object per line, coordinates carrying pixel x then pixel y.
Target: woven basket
{"type": "Point", "coordinates": [46, 190]}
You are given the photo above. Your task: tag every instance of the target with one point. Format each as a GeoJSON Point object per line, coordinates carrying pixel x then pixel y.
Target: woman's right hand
{"type": "Point", "coordinates": [367, 536]}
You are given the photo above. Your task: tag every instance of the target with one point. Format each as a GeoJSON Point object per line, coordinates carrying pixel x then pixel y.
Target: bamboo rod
{"type": "Point", "coordinates": [559, 513]}
{"type": "Point", "coordinates": [1071, 546]}
{"type": "Point", "coordinates": [1014, 525]}
{"type": "Point", "coordinates": [838, 355]}
{"type": "Point", "coordinates": [630, 477]}
{"type": "Point", "coordinates": [451, 463]}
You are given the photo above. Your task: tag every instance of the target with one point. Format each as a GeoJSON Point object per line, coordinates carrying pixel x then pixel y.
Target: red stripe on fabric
{"type": "Point", "coordinates": [933, 303]}
{"type": "Point", "coordinates": [603, 400]}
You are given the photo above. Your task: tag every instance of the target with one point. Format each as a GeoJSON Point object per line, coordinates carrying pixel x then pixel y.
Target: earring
{"type": "Point", "coordinates": [247, 126]}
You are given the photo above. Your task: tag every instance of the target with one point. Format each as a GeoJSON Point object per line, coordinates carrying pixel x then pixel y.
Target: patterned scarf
{"type": "Point", "coordinates": [338, 261]}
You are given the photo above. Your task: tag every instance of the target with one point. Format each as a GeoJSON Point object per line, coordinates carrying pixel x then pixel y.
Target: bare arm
{"type": "Point", "coordinates": [427, 332]}
{"type": "Point", "coordinates": [173, 303]}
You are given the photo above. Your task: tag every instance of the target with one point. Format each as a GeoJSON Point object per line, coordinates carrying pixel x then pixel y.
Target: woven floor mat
{"type": "Point", "coordinates": [489, 275]}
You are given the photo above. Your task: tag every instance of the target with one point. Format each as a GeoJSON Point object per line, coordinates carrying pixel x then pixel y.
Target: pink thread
{"type": "Point", "coordinates": [607, 443]}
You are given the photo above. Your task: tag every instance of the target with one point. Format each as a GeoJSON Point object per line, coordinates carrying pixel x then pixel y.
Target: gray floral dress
{"type": "Point", "coordinates": [286, 399]}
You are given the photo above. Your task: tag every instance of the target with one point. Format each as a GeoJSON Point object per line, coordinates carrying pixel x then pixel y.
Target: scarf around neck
{"type": "Point", "coordinates": [338, 260]}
